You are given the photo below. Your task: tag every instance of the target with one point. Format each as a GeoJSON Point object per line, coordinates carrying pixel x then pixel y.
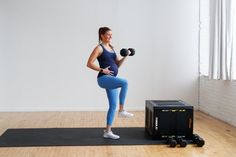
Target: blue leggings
{"type": "Point", "coordinates": [111, 84]}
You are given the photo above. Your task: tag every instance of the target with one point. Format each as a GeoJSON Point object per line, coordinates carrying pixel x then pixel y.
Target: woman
{"type": "Point", "coordinates": [107, 77]}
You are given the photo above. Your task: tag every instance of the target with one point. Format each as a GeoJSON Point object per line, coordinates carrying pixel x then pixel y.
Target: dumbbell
{"type": "Point", "coordinates": [125, 52]}
{"type": "Point", "coordinates": [182, 142]}
{"type": "Point", "coordinates": [171, 141]}
{"type": "Point", "coordinates": [198, 140]}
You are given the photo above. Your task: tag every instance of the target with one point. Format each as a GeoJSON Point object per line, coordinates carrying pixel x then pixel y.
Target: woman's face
{"type": "Point", "coordinates": [107, 36]}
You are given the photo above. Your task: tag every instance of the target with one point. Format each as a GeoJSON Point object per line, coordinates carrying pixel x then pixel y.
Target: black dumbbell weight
{"type": "Point", "coordinates": [171, 141]}
{"type": "Point", "coordinates": [132, 51]}
{"type": "Point", "coordinates": [182, 142]}
{"type": "Point", "coordinates": [198, 140]}
{"type": "Point", "coordinates": [124, 52]}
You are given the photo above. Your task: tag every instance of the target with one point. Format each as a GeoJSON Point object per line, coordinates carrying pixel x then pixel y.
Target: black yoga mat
{"type": "Point", "coordinates": [31, 137]}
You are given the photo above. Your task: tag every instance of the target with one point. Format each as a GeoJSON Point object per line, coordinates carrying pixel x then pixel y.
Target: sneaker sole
{"type": "Point", "coordinates": [111, 138]}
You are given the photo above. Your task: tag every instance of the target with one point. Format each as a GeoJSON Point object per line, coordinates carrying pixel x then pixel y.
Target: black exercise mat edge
{"type": "Point", "coordinates": [22, 137]}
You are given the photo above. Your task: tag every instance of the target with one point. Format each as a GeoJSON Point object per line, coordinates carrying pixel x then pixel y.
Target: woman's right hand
{"type": "Point", "coordinates": [107, 71]}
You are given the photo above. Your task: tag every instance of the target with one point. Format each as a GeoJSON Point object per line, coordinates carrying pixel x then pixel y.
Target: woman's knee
{"type": "Point", "coordinates": [112, 107]}
{"type": "Point", "coordinates": [125, 83]}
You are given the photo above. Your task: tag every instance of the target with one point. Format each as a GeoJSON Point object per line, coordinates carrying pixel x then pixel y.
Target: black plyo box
{"type": "Point", "coordinates": [165, 118]}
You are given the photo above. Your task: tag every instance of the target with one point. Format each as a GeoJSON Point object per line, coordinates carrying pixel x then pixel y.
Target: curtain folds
{"type": "Point", "coordinates": [222, 46]}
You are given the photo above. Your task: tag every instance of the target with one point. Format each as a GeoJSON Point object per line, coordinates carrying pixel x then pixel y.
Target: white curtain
{"type": "Point", "coordinates": [222, 46]}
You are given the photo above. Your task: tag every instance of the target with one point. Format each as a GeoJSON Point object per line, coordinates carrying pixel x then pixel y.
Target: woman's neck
{"type": "Point", "coordinates": [106, 44]}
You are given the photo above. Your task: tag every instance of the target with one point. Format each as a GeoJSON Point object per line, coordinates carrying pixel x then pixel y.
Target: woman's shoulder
{"type": "Point", "coordinates": [98, 49]}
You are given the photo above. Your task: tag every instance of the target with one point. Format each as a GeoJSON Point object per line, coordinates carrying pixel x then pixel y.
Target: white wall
{"type": "Point", "coordinates": [176, 56]}
{"type": "Point", "coordinates": [45, 44]}
{"type": "Point", "coordinates": [218, 98]}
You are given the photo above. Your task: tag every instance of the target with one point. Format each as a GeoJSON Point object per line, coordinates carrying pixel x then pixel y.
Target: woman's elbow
{"type": "Point", "coordinates": [88, 65]}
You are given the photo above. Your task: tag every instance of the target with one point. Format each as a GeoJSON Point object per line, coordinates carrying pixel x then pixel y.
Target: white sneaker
{"type": "Point", "coordinates": [125, 114]}
{"type": "Point", "coordinates": [110, 135]}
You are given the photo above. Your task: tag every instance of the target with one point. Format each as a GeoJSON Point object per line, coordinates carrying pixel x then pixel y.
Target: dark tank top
{"type": "Point", "coordinates": [107, 58]}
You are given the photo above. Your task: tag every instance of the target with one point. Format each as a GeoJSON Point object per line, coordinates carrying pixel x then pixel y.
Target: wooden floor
{"type": "Point", "coordinates": [220, 137]}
